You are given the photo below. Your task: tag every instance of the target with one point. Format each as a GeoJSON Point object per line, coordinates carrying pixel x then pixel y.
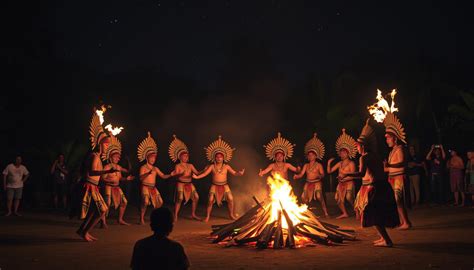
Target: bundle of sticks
{"type": "Point", "coordinates": [256, 227]}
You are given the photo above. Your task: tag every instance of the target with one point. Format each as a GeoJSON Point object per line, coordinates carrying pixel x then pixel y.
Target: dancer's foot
{"type": "Point", "coordinates": [342, 216]}
{"type": "Point", "coordinates": [206, 219]}
{"type": "Point", "coordinates": [378, 240]}
{"type": "Point", "coordinates": [404, 226]}
{"type": "Point", "coordinates": [8, 214]}
{"type": "Point", "coordinates": [196, 218]}
{"type": "Point", "coordinates": [142, 222]}
{"type": "Point", "coordinates": [383, 243]}
{"type": "Point", "coordinates": [18, 214]}
{"type": "Point", "coordinates": [122, 222]}
{"type": "Point", "coordinates": [104, 226]}
{"type": "Point", "coordinates": [85, 237]}
{"type": "Point", "coordinates": [88, 235]}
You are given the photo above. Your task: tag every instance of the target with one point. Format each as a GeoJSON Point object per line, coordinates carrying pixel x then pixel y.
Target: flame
{"type": "Point", "coordinates": [282, 192]}
{"type": "Point", "coordinates": [113, 130]}
{"type": "Point", "coordinates": [380, 109]}
{"type": "Point", "coordinates": [100, 113]}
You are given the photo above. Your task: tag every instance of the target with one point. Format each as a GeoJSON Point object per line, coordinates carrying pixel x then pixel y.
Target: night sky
{"type": "Point", "coordinates": [191, 67]}
{"type": "Point", "coordinates": [192, 38]}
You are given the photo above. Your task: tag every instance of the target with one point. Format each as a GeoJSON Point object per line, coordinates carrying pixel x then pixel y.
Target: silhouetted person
{"type": "Point", "coordinates": [59, 173]}
{"type": "Point", "coordinates": [436, 158]}
{"type": "Point", "coordinates": [414, 171]}
{"type": "Point", "coordinates": [158, 251]}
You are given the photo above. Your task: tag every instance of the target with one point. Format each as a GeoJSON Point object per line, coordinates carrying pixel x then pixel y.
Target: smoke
{"type": "Point", "coordinates": [245, 120]}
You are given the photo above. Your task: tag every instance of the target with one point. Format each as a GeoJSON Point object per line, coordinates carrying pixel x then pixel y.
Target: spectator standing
{"type": "Point", "coordinates": [455, 165]}
{"type": "Point", "coordinates": [436, 158]}
{"type": "Point", "coordinates": [14, 176]}
{"type": "Point", "coordinates": [59, 173]}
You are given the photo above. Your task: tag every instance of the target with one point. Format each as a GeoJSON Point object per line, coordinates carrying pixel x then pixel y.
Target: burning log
{"type": "Point", "coordinates": [278, 239]}
{"type": "Point", "coordinates": [329, 228]}
{"type": "Point", "coordinates": [241, 221]}
{"type": "Point", "coordinates": [266, 235]}
{"type": "Point", "coordinates": [258, 203]}
{"type": "Point", "coordinates": [311, 236]}
{"type": "Point", "coordinates": [279, 222]}
{"type": "Point", "coordinates": [247, 240]}
{"type": "Point", "coordinates": [291, 230]}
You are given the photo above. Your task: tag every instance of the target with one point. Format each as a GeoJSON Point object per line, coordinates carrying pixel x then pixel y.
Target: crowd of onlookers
{"type": "Point", "coordinates": [440, 177]}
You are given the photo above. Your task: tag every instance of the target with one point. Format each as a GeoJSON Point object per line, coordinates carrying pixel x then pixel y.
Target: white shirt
{"type": "Point", "coordinates": [15, 175]}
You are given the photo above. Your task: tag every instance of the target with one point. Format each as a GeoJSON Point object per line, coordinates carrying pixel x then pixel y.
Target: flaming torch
{"type": "Point", "coordinates": [100, 112]}
{"type": "Point", "coordinates": [380, 109]}
{"type": "Point", "coordinates": [112, 130]}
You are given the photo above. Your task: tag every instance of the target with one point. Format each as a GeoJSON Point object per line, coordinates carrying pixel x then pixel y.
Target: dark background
{"type": "Point", "coordinates": [241, 69]}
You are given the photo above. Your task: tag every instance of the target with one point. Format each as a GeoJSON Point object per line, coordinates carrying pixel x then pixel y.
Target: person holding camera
{"type": "Point", "coordinates": [436, 158]}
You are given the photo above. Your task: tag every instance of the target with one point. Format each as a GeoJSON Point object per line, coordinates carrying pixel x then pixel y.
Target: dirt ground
{"type": "Point", "coordinates": [442, 238]}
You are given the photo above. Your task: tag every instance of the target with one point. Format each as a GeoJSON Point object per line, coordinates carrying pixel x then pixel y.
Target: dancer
{"type": "Point", "coordinates": [375, 201]}
{"type": "Point", "coordinates": [395, 167]}
{"type": "Point", "coordinates": [219, 153]}
{"type": "Point", "coordinates": [113, 194]}
{"type": "Point", "coordinates": [313, 188]}
{"type": "Point", "coordinates": [347, 149]}
{"type": "Point", "coordinates": [94, 207]}
{"type": "Point", "coordinates": [147, 151]}
{"type": "Point", "coordinates": [185, 189]}
{"type": "Point", "coordinates": [278, 150]}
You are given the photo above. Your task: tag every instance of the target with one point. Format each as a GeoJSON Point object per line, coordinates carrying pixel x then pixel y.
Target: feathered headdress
{"type": "Point", "coordinates": [315, 145]}
{"type": "Point", "coordinates": [219, 146]}
{"type": "Point", "coordinates": [367, 137]}
{"type": "Point", "coordinates": [346, 142]}
{"type": "Point", "coordinates": [279, 144]}
{"type": "Point", "coordinates": [393, 125]}
{"type": "Point", "coordinates": [147, 146]}
{"type": "Point", "coordinates": [176, 148]}
{"type": "Point", "coordinates": [96, 131]}
{"type": "Point", "coordinates": [114, 147]}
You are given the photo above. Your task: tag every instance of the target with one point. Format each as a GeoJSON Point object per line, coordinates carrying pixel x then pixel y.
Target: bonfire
{"type": "Point", "coordinates": [279, 222]}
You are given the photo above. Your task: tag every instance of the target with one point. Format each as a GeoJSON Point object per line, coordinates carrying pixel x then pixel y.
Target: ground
{"type": "Point", "coordinates": [442, 238]}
